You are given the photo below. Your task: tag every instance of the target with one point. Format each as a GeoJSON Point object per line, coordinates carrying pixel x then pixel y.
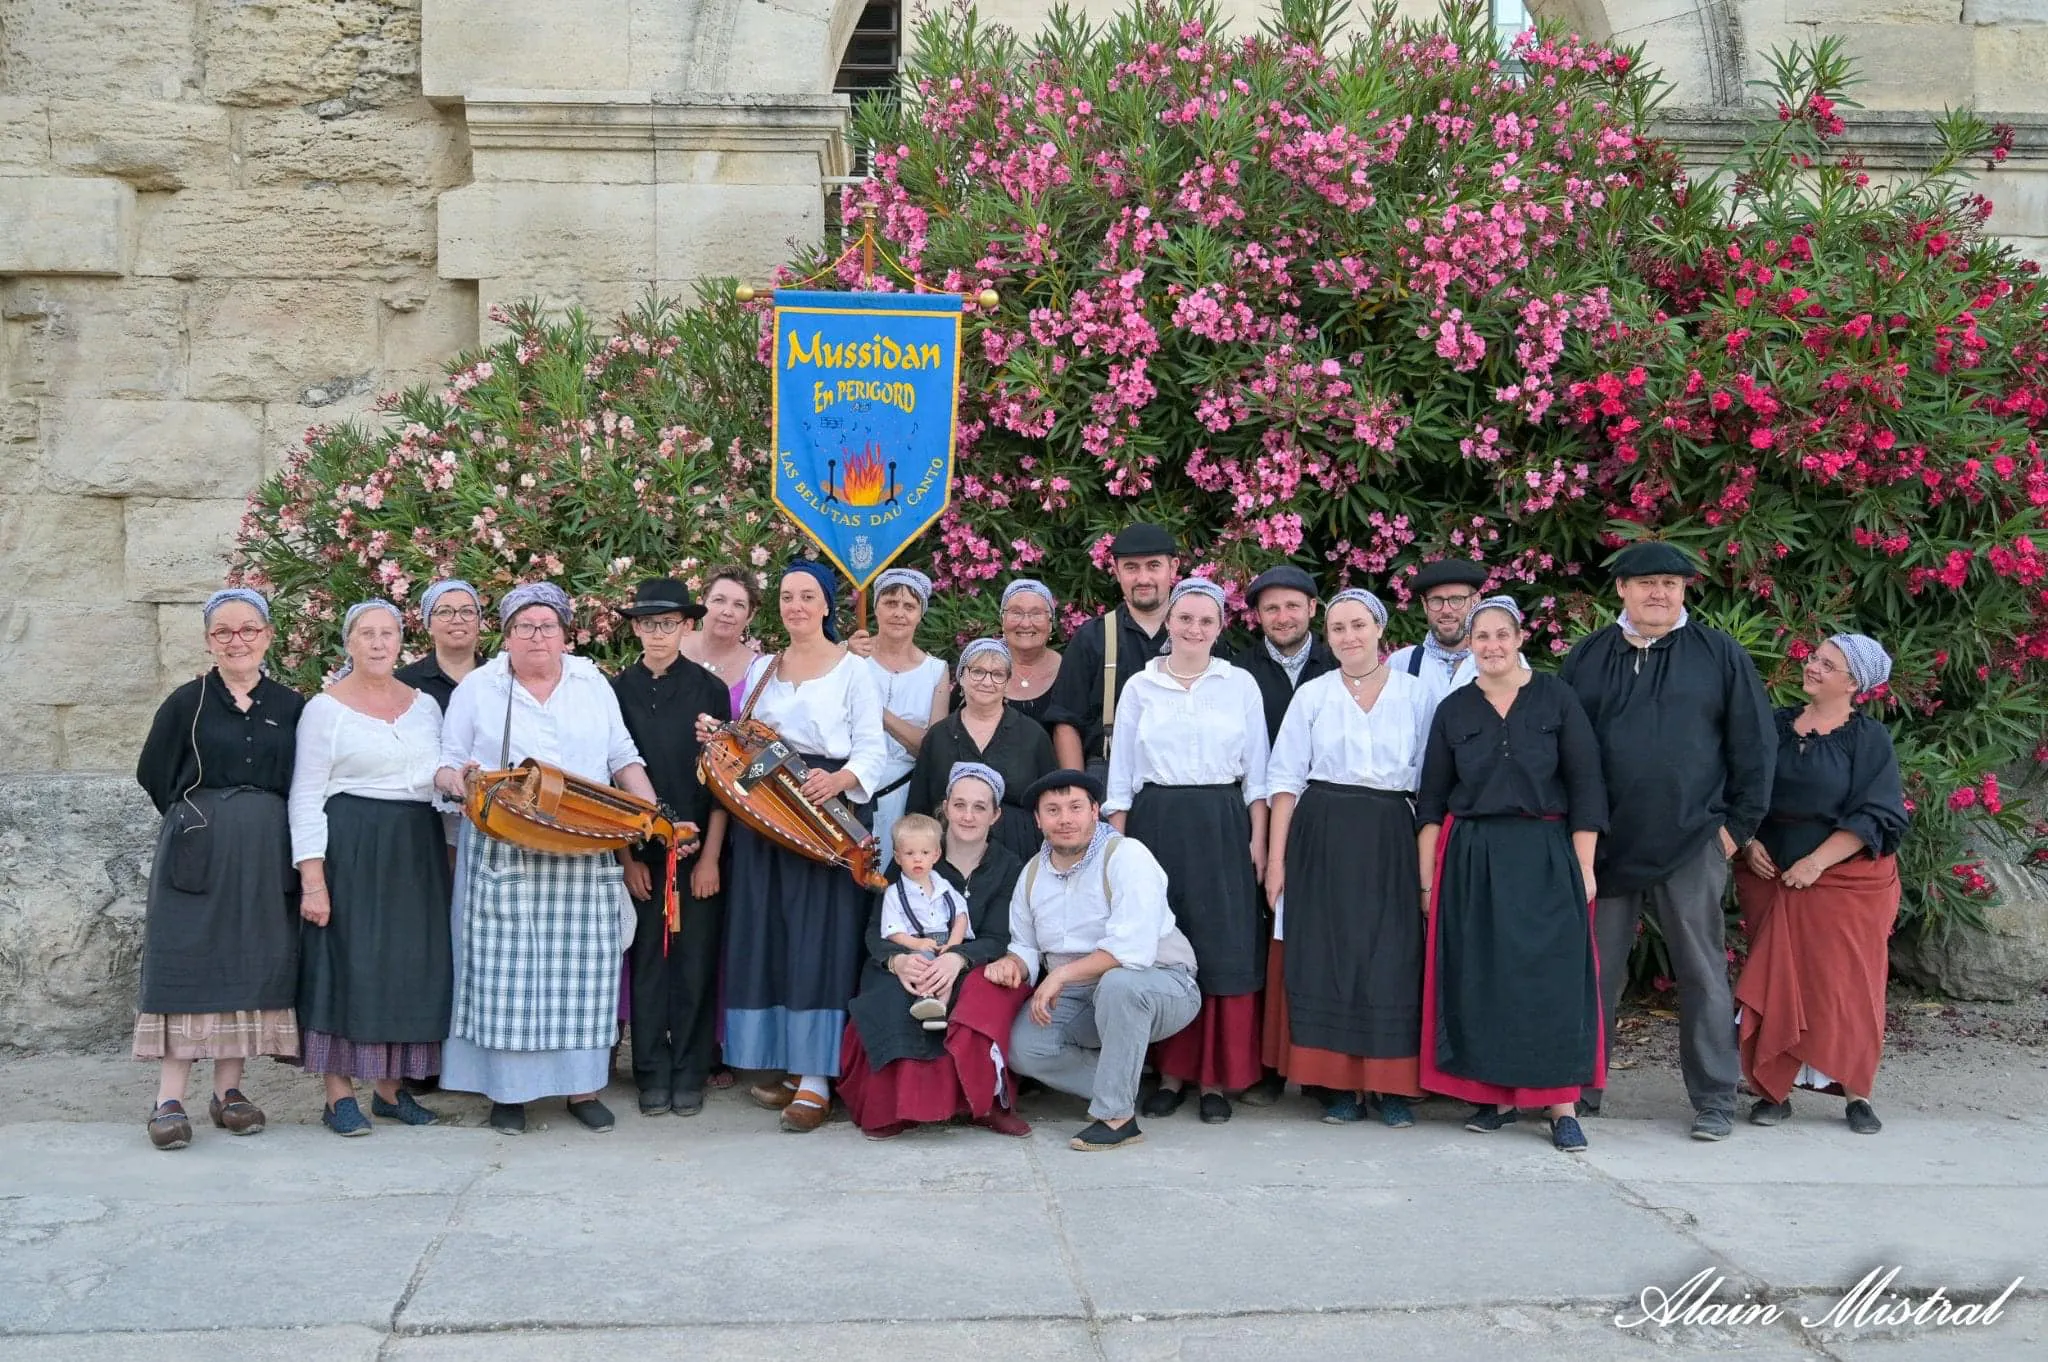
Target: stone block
{"type": "Point", "coordinates": [103, 737]}
{"type": "Point", "coordinates": [602, 299]}
{"type": "Point", "coordinates": [137, 49]}
{"type": "Point", "coordinates": [1919, 67]}
{"type": "Point", "coordinates": [65, 652]}
{"type": "Point", "coordinates": [1872, 11]}
{"type": "Point", "coordinates": [285, 424]}
{"type": "Point", "coordinates": [34, 744]}
{"type": "Point", "coordinates": [24, 135]}
{"type": "Point", "coordinates": [61, 546]}
{"type": "Point", "coordinates": [768, 49]}
{"type": "Point", "coordinates": [97, 337]}
{"type": "Point", "coordinates": [2019, 199]}
{"type": "Point", "coordinates": [265, 338]}
{"type": "Point", "coordinates": [113, 447]}
{"type": "Point", "coordinates": [180, 645]}
{"type": "Point", "coordinates": [319, 231]}
{"type": "Point", "coordinates": [744, 230]}
{"type": "Point", "coordinates": [281, 53]}
{"type": "Point", "coordinates": [598, 232]}
{"type": "Point", "coordinates": [1987, 12]}
{"type": "Point", "coordinates": [538, 44]}
{"type": "Point", "coordinates": [411, 143]}
{"type": "Point", "coordinates": [65, 226]}
{"type": "Point", "coordinates": [425, 326]}
{"type": "Point", "coordinates": [2012, 68]}
{"type": "Point", "coordinates": [178, 550]}
{"type": "Point", "coordinates": [152, 145]}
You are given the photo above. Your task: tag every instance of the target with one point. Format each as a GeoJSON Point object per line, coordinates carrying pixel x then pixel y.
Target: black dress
{"type": "Point", "coordinates": [1511, 1001]}
{"type": "Point", "coordinates": [221, 932]}
{"type": "Point", "coordinates": [426, 675]}
{"type": "Point", "coordinates": [1020, 752]}
{"type": "Point", "coordinates": [1847, 779]}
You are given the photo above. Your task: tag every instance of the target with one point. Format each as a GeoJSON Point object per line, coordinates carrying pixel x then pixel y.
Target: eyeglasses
{"type": "Point", "coordinates": [658, 626]}
{"type": "Point", "coordinates": [1827, 668]}
{"type": "Point", "coordinates": [1447, 602]}
{"type": "Point", "coordinates": [1027, 616]}
{"type": "Point", "coordinates": [988, 676]}
{"type": "Point", "coordinates": [458, 614]}
{"type": "Point", "coordinates": [531, 629]}
{"type": "Point", "coordinates": [248, 633]}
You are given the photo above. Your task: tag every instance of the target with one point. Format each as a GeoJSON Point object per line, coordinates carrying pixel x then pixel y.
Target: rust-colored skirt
{"type": "Point", "coordinates": [217, 1035]}
{"type": "Point", "coordinates": [1218, 1049]}
{"type": "Point", "coordinates": [1311, 1067]}
{"type": "Point", "coordinates": [1812, 991]}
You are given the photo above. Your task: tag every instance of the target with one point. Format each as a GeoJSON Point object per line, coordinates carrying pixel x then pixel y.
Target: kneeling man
{"type": "Point", "coordinates": [1089, 924]}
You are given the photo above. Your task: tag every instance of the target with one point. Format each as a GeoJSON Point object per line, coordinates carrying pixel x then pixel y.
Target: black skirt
{"type": "Point", "coordinates": [1354, 923]}
{"type": "Point", "coordinates": [1201, 836]}
{"type": "Point", "coordinates": [881, 1013]}
{"type": "Point", "coordinates": [1516, 1000]}
{"type": "Point", "coordinates": [380, 971]}
{"type": "Point", "coordinates": [222, 927]}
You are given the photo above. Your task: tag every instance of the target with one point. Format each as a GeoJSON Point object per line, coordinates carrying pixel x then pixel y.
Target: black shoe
{"type": "Point", "coordinates": [508, 1118]}
{"type": "Point", "coordinates": [1099, 1138]}
{"type": "Point", "coordinates": [1214, 1108]}
{"type": "Point", "coordinates": [1163, 1102]}
{"type": "Point", "coordinates": [595, 1115]}
{"type": "Point", "coordinates": [688, 1101]}
{"type": "Point", "coordinates": [1862, 1118]}
{"type": "Point", "coordinates": [654, 1101]}
{"type": "Point", "coordinates": [1712, 1126]}
{"type": "Point", "coordinates": [1589, 1102]}
{"type": "Point", "coordinates": [1487, 1119]}
{"type": "Point", "coordinates": [1769, 1113]}
{"type": "Point", "coordinates": [431, 1083]}
{"type": "Point", "coordinates": [1265, 1092]}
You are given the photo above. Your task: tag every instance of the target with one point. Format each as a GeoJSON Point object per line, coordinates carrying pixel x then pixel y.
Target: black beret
{"type": "Point", "coordinates": [1450, 572]}
{"type": "Point", "coordinates": [1142, 541]}
{"type": "Point", "coordinates": [1286, 575]}
{"type": "Point", "coordinates": [1652, 558]}
{"type": "Point", "coordinates": [1068, 779]}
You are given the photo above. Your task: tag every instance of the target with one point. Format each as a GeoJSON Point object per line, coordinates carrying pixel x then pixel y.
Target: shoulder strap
{"type": "Point", "coordinates": [1110, 631]}
{"type": "Point", "coordinates": [1031, 877]}
{"type": "Point", "coordinates": [505, 743]}
{"type": "Point", "coordinates": [1415, 660]}
{"type": "Point", "coordinates": [753, 696]}
{"type": "Point", "coordinates": [1109, 849]}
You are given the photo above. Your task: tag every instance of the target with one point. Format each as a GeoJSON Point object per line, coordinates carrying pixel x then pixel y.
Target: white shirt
{"type": "Point", "coordinates": [1440, 679]}
{"type": "Point", "coordinates": [837, 715]}
{"type": "Point", "coordinates": [1213, 733]}
{"type": "Point", "coordinates": [579, 728]}
{"type": "Point", "coordinates": [907, 695]}
{"type": "Point", "coordinates": [928, 915]}
{"type": "Point", "coordinates": [342, 751]}
{"type": "Point", "coordinates": [1326, 736]}
{"type": "Point", "coordinates": [1066, 914]}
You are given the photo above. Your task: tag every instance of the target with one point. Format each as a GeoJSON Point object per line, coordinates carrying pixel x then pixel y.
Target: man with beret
{"type": "Point", "coordinates": [675, 978]}
{"type": "Point", "coordinates": [1089, 925]}
{"type": "Point", "coordinates": [1287, 651]}
{"type": "Point", "coordinates": [1689, 747]}
{"type": "Point", "coordinates": [1077, 709]}
{"type": "Point", "coordinates": [1447, 589]}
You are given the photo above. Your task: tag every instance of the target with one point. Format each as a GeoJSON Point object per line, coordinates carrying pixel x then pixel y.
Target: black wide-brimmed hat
{"type": "Point", "coordinates": [662, 596]}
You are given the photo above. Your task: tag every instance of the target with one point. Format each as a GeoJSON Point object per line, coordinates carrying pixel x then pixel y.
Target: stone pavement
{"type": "Point", "coordinates": [718, 1237]}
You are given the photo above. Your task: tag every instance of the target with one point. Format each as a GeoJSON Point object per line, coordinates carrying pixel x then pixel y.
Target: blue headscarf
{"type": "Point", "coordinates": [1505, 604]}
{"type": "Point", "coordinates": [981, 647]}
{"type": "Point", "coordinates": [1374, 606]}
{"type": "Point", "coordinates": [246, 595]}
{"type": "Point", "coordinates": [348, 622]}
{"type": "Point", "coordinates": [974, 770]}
{"type": "Point", "coordinates": [1200, 586]}
{"type": "Point", "coordinates": [1032, 586]}
{"type": "Point", "coordinates": [434, 593]}
{"type": "Point", "coordinates": [823, 576]}
{"type": "Point", "coordinates": [911, 580]}
{"type": "Point", "coordinates": [1870, 666]}
{"type": "Point", "coordinates": [536, 593]}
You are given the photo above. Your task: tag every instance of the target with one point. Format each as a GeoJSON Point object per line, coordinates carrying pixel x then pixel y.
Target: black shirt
{"type": "Point", "coordinates": [1019, 750]}
{"type": "Point", "coordinates": [1274, 685]}
{"type": "Point", "coordinates": [1541, 761]}
{"type": "Point", "coordinates": [426, 675]}
{"type": "Point", "coordinates": [1844, 780]}
{"type": "Point", "coordinates": [200, 738]}
{"type": "Point", "coordinates": [1076, 694]}
{"type": "Point", "coordinates": [1687, 743]}
{"type": "Point", "coordinates": [661, 715]}
{"type": "Point", "coordinates": [988, 892]}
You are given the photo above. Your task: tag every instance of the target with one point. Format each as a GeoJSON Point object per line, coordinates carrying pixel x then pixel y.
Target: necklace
{"type": "Point", "coordinates": [1167, 663]}
{"type": "Point", "coordinates": [1356, 681]}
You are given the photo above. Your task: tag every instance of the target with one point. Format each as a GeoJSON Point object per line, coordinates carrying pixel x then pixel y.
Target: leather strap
{"type": "Point", "coordinates": [1112, 627]}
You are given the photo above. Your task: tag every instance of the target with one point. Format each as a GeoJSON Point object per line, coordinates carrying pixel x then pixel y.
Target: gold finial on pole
{"type": "Point", "coordinates": [745, 293]}
{"type": "Point", "coordinates": [987, 297]}
{"type": "Point", "coordinates": [867, 245]}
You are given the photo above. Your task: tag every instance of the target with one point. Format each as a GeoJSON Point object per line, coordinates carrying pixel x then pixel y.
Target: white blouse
{"type": "Point", "coordinates": [578, 728]}
{"type": "Point", "coordinates": [1213, 733]}
{"type": "Point", "coordinates": [343, 751]}
{"type": "Point", "coordinates": [1326, 736]}
{"type": "Point", "coordinates": [908, 696]}
{"type": "Point", "coordinates": [837, 715]}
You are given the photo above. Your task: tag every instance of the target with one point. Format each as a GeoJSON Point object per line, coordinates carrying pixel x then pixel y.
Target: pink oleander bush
{"type": "Point", "coordinates": [1359, 297]}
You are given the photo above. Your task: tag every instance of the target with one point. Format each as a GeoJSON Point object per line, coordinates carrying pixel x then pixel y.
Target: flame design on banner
{"type": "Point", "coordinates": [865, 481]}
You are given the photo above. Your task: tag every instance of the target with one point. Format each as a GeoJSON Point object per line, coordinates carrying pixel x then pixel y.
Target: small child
{"type": "Point", "coordinates": [921, 909]}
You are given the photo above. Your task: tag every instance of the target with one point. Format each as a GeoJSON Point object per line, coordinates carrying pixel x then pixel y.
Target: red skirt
{"type": "Point", "coordinates": [1219, 1048]}
{"type": "Point", "coordinates": [966, 1081]}
{"type": "Point", "coordinates": [1812, 990]}
{"type": "Point", "coordinates": [1312, 1067]}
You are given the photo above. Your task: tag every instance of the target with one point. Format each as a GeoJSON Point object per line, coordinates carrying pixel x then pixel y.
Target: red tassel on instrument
{"type": "Point", "coordinates": [672, 916]}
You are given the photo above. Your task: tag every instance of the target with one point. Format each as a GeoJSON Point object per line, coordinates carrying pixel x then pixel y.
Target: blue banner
{"type": "Point", "coordinates": [866, 408]}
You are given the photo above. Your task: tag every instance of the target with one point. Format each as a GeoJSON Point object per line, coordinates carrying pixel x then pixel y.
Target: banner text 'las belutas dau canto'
{"type": "Point", "coordinates": [866, 408]}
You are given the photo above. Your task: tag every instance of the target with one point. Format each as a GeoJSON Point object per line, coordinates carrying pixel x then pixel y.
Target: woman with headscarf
{"type": "Point", "coordinates": [1344, 983]}
{"type": "Point", "coordinates": [220, 942]}
{"type": "Point", "coordinates": [721, 646]}
{"type": "Point", "coordinates": [375, 976]}
{"type": "Point", "coordinates": [911, 682]}
{"type": "Point", "coordinates": [537, 936]}
{"type": "Point", "coordinates": [1028, 610]}
{"type": "Point", "coordinates": [1511, 807]}
{"type": "Point", "coordinates": [793, 926]}
{"type": "Point", "coordinates": [986, 730]}
{"type": "Point", "coordinates": [899, 1074]}
{"type": "Point", "coordinates": [1819, 885]}
{"type": "Point", "coordinates": [453, 612]}
{"type": "Point", "coordinates": [1187, 777]}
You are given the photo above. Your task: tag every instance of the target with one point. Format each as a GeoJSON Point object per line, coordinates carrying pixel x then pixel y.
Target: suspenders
{"type": "Point", "coordinates": [1415, 661]}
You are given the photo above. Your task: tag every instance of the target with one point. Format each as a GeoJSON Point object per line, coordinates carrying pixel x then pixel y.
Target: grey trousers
{"type": "Point", "coordinates": [1687, 906]}
{"type": "Point", "coordinates": [1095, 1047]}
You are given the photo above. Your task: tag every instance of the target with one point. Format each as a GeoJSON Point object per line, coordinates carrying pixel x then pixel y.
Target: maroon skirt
{"type": "Point", "coordinates": [967, 1080]}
